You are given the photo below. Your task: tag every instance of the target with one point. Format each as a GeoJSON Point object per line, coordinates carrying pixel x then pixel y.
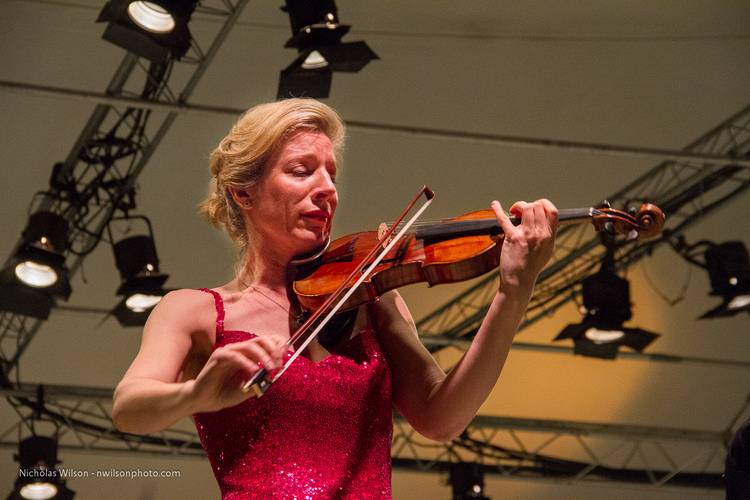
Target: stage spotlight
{"type": "Point", "coordinates": [467, 481]}
{"type": "Point", "coordinates": [39, 263]}
{"type": "Point", "coordinates": [728, 269]}
{"type": "Point", "coordinates": [606, 301]}
{"type": "Point", "coordinates": [38, 477]}
{"type": "Point", "coordinates": [142, 283]}
{"type": "Point", "coordinates": [152, 29]}
{"type": "Point", "coordinates": [316, 34]}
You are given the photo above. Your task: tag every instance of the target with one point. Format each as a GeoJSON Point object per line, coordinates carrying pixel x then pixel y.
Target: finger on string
{"type": "Point", "coordinates": [502, 218]}
{"type": "Point", "coordinates": [551, 212]}
{"type": "Point", "coordinates": [540, 217]}
{"type": "Point", "coordinates": [518, 209]}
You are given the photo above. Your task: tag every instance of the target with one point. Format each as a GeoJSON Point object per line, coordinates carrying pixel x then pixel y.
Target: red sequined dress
{"type": "Point", "coordinates": [323, 430]}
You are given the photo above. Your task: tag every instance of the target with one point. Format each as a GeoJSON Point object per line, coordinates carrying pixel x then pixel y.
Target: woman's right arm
{"type": "Point", "coordinates": [151, 396]}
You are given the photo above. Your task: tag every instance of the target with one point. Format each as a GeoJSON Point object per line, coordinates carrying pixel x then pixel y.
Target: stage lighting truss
{"type": "Point", "coordinates": [154, 29]}
{"type": "Point", "coordinates": [508, 447]}
{"type": "Point", "coordinates": [142, 283]}
{"type": "Point", "coordinates": [69, 218]}
{"type": "Point", "coordinates": [317, 34]}
{"type": "Point", "coordinates": [97, 179]}
{"type": "Point", "coordinates": [687, 191]}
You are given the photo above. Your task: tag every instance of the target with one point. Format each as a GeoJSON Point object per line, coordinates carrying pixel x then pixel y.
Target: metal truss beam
{"type": "Point", "coordinates": [571, 451]}
{"type": "Point", "coordinates": [100, 187]}
{"type": "Point", "coordinates": [432, 133]}
{"type": "Point", "coordinates": [506, 446]}
{"type": "Point", "coordinates": [686, 191]}
{"type": "Point", "coordinates": [438, 340]}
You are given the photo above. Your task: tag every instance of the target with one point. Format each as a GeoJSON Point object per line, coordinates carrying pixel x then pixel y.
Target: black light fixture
{"type": "Point", "coordinates": [606, 302]}
{"type": "Point", "coordinates": [18, 299]}
{"type": "Point", "coordinates": [728, 267]}
{"type": "Point", "coordinates": [467, 481]}
{"type": "Point", "coordinates": [36, 273]}
{"type": "Point", "coordinates": [38, 476]}
{"type": "Point", "coordinates": [142, 283]}
{"type": "Point", "coordinates": [153, 29]}
{"type": "Point", "coordinates": [317, 34]}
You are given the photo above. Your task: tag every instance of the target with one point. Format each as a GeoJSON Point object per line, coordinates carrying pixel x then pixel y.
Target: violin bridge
{"type": "Point", "coordinates": [382, 229]}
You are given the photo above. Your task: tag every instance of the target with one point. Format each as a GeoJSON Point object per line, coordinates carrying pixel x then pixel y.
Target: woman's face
{"type": "Point", "coordinates": [294, 202]}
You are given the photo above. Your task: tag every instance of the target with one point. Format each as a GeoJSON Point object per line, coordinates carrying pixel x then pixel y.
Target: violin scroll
{"type": "Point", "coordinates": [646, 222]}
{"type": "Point", "coordinates": [650, 219]}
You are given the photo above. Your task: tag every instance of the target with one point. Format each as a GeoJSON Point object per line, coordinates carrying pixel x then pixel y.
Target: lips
{"type": "Point", "coordinates": [320, 215]}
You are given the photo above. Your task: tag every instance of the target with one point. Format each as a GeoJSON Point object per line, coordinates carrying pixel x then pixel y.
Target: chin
{"type": "Point", "coordinates": [311, 241]}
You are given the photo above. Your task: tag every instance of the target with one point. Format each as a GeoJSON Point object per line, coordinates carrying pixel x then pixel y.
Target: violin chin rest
{"type": "Point", "coordinates": [312, 256]}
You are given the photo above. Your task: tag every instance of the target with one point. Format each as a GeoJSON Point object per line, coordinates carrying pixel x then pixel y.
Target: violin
{"type": "Point", "coordinates": [446, 251]}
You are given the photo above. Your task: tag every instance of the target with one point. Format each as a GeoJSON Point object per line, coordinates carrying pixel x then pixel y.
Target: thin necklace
{"type": "Point", "coordinates": [298, 318]}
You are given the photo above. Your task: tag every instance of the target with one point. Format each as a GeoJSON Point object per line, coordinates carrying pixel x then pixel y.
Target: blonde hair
{"type": "Point", "coordinates": [241, 157]}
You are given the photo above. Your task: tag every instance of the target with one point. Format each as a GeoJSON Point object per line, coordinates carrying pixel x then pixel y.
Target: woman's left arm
{"type": "Point", "coordinates": [440, 406]}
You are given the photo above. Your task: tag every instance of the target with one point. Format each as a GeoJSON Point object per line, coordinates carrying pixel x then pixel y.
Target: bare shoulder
{"type": "Point", "coordinates": [179, 329]}
{"type": "Point", "coordinates": [187, 309]}
{"type": "Point", "coordinates": [186, 297]}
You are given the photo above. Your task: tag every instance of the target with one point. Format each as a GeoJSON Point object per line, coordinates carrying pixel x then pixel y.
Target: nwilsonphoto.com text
{"type": "Point", "coordinates": [68, 472]}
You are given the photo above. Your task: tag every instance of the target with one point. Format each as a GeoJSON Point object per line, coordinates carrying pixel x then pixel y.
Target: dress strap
{"type": "Point", "coordinates": [219, 302]}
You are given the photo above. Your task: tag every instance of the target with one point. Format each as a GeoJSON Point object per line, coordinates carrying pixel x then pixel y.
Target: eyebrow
{"type": "Point", "coordinates": [300, 156]}
{"type": "Point", "coordinates": [303, 156]}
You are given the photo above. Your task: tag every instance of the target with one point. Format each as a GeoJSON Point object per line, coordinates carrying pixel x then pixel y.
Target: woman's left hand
{"type": "Point", "coordinates": [527, 247]}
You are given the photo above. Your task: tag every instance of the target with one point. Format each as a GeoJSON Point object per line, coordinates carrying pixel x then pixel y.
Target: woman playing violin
{"type": "Point", "coordinates": [324, 428]}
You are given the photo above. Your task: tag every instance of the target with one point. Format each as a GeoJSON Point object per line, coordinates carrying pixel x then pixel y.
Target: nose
{"type": "Point", "coordinates": [324, 187]}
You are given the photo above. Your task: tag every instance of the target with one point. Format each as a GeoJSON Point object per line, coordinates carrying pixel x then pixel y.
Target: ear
{"type": "Point", "coordinates": [241, 197]}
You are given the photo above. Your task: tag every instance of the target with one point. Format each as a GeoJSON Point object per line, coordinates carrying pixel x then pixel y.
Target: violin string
{"type": "Point", "coordinates": [432, 222]}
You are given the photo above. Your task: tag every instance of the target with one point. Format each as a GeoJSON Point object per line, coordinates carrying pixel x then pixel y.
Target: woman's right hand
{"type": "Point", "coordinates": [219, 383]}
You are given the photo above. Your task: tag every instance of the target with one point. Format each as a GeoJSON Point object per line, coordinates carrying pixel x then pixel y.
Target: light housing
{"type": "Point", "coordinates": [317, 34]}
{"type": "Point", "coordinates": [39, 263]}
{"type": "Point", "coordinates": [154, 29]}
{"type": "Point", "coordinates": [606, 300]}
{"type": "Point", "coordinates": [467, 481]}
{"type": "Point", "coordinates": [141, 287]}
{"type": "Point", "coordinates": [728, 267]}
{"type": "Point", "coordinates": [38, 477]}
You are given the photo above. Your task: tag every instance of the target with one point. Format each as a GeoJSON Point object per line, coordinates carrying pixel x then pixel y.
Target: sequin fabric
{"type": "Point", "coordinates": [323, 430]}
